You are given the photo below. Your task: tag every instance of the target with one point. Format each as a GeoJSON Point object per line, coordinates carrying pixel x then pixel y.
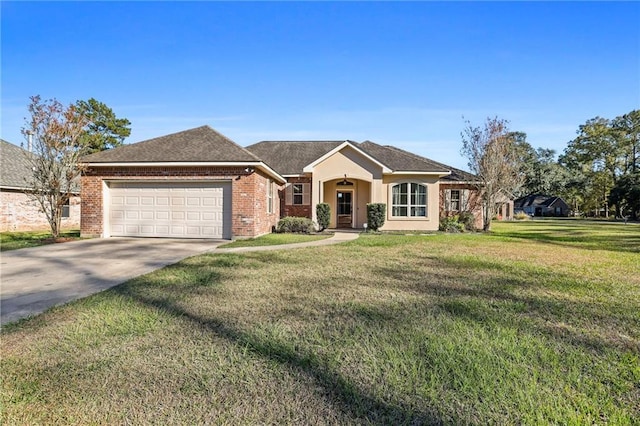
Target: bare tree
{"type": "Point", "coordinates": [493, 157]}
{"type": "Point", "coordinates": [55, 134]}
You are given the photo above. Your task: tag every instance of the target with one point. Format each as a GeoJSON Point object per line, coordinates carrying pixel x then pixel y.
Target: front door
{"type": "Point", "coordinates": [345, 209]}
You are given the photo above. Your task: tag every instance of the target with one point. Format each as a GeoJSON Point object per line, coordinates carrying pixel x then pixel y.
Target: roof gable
{"type": "Point", "coordinates": [202, 145]}
{"type": "Point", "coordinates": [309, 167]}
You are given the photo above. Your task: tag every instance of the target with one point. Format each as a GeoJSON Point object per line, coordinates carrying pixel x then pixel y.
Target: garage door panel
{"type": "Point", "coordinates": [170, 209]}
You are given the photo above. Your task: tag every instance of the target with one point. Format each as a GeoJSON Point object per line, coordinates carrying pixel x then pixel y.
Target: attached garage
{"type": "Point", "coordinates": [191, 184]}
{"type": "Point", "coordinates": [170, 209]}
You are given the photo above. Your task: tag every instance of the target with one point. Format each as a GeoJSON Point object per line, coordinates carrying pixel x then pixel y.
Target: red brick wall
{"type": "Point", "coordinates": [474, 202]}
{"type": "Point", "coordinates": [19, 212]}
{"type": "Point", "coordinates": [248, 194]}
{"type": "Point", "coordinates": [297, 210]}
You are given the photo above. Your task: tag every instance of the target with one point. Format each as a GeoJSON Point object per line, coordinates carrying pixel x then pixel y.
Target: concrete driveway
{"type": "Point", "coordinates": [35, 279]}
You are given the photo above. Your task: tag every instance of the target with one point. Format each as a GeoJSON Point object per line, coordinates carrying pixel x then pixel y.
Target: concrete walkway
{"type": "Point", "coordinates": [35, 279]}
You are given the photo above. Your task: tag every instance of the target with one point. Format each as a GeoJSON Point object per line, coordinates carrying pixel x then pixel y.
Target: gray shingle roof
{"type": "Point", "coordinates": [400, 160]}
{"type": "Point", "coordinates": [290, 157]}
{"type": "Point", "coordinates": [15, 170]}
{"type": "Point", "coordinates": [202, 144]}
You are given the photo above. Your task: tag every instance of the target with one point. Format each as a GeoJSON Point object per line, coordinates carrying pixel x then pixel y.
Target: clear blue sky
{"type": "Point", "coordinates": [402, 74]}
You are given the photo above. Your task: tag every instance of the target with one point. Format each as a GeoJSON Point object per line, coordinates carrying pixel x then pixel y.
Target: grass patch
{"type": "Point", "coordinates": [275, 239]}
{"type": "Point", "coordinates": [18, 240]}
{"type": "Point", "coordinates": [388, 329]}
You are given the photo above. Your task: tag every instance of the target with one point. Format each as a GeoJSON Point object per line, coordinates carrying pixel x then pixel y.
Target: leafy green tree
{"type": "Point", "coordinates": [626, 195]}
{"type": "Point", "coordinates": [104, 130]}
{"type": "Point", "coordinates": [627, 132]}
{"type": "Point", "coordinates": [603, 152]}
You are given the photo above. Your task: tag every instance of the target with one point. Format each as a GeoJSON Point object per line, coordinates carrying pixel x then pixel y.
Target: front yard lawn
{"type": "Point", "coordinates": [18, 240]}
{"type": "Point", "coordinates": [512, 327]}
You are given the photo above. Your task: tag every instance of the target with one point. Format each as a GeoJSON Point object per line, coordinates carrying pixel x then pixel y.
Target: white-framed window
{"type": "Point", "coordinates": [297, 194]}
{"type": "Point", "coordinates": [269, 196]}
{"type": "Point", "coordinates": [409, 199]}
{"type": "Point", "coordinates": [455, 200]}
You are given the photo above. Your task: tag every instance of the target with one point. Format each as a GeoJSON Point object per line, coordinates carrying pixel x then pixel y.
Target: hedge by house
{"type": "Point", "coordinates": [376, 213]}
{"type": "Point", "coordinates": [323, 212]}
{"type": "Point", "coordinates": [298, 225]}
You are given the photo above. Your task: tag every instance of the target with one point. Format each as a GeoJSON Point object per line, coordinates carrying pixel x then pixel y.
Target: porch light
{"type": "Point", "coordinates": [345, 182]}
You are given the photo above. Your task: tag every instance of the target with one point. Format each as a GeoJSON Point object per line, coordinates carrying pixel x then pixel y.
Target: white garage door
{"type": "Point", "coordinates": [170, 209]}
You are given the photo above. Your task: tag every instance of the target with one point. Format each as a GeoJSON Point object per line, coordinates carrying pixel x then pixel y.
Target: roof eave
{"type": "Point", "coordinates": [414, 172]}
{"type": "Point", "coordinates": [257, 164]}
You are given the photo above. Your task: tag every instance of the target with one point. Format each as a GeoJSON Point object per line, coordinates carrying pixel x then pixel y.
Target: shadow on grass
{"type": "Point", "coordinates": [489, 294]}
{"type": "Point", "coordinates": [347, 396]}
{"type": "Point", "coordinates": [572, 233]}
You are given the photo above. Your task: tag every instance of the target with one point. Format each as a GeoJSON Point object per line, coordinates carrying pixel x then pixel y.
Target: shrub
{"type": "Point", "coordinates": [468, 220]}
{"type": "Point", "coordinates": [376, 213]}
{"type": "Point", "coordinates": [298, 225]}
{"type": "Point", "coordinates": [323, 212]}
{"type": "Point", "coordinates": [521, 216]}
{"type": "Point", "coordinates": [451, 224]}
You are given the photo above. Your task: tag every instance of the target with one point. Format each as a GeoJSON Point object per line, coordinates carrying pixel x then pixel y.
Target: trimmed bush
{"type": "Point", "coordinates": [323, 212]}
{"type": "Point", "coordinates": [296, 225]}
{"type": "Point", "coordinates": [376, 213]}
{"type": "Point", "coordinates": [521, 216]}
{"type": "Point", "coordinates": [451, 224]}
{"type": "Point", "coordinates": [468, 220]}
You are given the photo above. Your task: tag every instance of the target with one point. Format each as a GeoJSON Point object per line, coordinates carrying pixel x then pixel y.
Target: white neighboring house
{"type": "Point", "coordinates": [19, 212]}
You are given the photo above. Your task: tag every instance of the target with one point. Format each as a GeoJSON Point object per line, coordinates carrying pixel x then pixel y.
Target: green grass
{"type": "Point", "coordinates": [500, 328]}
{"type": "Point", "coordinates": [275, 239]}
{"type": "Point", "coordinates": [18, 240]}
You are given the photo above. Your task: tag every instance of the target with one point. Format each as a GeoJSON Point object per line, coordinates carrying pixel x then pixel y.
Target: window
{"type": "Point", "coordinates": [456, 200]}
{"type": "Point", "coordinates": [65, 210]}
{"type": "Point", "coordinates": [269, 196]}
{"type": "Point", "coordinates": [297, 194]}
{"type": "Point", "coordinates": [454, 203]}
{"type": "Point", "coordinates": [409, 200]}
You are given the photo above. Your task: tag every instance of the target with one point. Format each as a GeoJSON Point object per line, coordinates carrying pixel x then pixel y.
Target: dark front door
{"type": "Point", "coordinates": [345, 209]}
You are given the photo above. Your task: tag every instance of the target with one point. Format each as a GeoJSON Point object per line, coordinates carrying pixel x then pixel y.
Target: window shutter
{"type": "Point", "coordinates": [305, 194]}
{"type": "Point", "coordinates": [288, 194]}
{"type": "Point", "coordinates": [447, 200]}
{"type": "Point", "coordinates": [464, 200]}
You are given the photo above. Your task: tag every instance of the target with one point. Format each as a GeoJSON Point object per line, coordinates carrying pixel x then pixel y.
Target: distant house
{"type": "Point", "coordinates": [19, 212]}
{"type": "Point", "coordinates": [200, 184]}
{"type": "Point", "coordinates": [542, 205]}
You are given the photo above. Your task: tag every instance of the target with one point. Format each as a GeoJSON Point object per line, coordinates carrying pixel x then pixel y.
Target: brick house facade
{"type": "Point", "coordinates": [18, 211]}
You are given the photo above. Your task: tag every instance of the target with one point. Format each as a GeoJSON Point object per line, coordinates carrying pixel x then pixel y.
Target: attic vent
{"type": "Point", "coordinates": [345, 182]}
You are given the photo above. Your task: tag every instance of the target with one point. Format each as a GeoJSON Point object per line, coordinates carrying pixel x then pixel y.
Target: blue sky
{"type": "Point", "coordinates": [395, 73]}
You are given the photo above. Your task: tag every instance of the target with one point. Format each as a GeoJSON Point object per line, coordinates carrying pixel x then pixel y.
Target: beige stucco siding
{"type": "Point", "coordinates": [428, 223]}
{"type": "Point", "coordinates": [361, 196]}
{"type": "Point", "coordinates": [366, 175]}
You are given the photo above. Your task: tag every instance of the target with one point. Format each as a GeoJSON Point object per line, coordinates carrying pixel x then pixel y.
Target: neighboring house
{"type": "Point", "coordinates": [198, 183]}
{"type": "Point", "coordinates": [542, 205]}
{"type": "Point", "coordinates": [19, 212]}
